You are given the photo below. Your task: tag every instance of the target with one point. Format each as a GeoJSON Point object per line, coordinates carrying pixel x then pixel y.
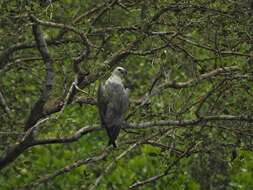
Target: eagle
{"type": "Point", "coordinates": [113, 100]}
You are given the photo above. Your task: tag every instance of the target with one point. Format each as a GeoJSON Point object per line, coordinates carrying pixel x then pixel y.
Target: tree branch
{"type": "Point", "coordinates": [192, 82]}
{"type": "Point", "coordinates": [5, 106]}
{"type": "Point", "coordinates": [37, 110]}
{"type": "Point", "coordinates": [6, 54]}
{"type": "Point", "coordinates": [28, 142]}
{"type": "Point", "coordinates": [83, 131]}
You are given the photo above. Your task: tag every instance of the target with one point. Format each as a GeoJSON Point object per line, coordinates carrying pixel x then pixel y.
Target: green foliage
{"type": "Point", "coordinates": [180, 46]}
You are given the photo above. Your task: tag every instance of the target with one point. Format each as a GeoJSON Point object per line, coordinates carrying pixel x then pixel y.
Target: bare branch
{"type": "Point", "coordinates": [215, 50]}
{"type": "Point", "coordinates": [228, 118]}
{"type": "Point", "coordinates": [83, 131]}
{"type": "Point", "coordinates": [6, 54]}
{"type": "Point", "coordinates": [106, 7]}
{"type": "Point", "coordinates": [89, 13]}
{"type": "Point", "coordinates": [162, 123]}
{"type": "Point", "coordinates": [191, 82]}
{"type": "Point", "coordinates": [5, 106]}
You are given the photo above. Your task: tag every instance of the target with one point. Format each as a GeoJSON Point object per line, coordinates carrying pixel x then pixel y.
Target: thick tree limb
{"type": "Point", "coordinates": [21, 146]}
{"type": "Point", "coordinates": [13, 153]}
{"type": "Point", "coordinates": [144, 125]}
{"type": "Point", "coordinates": [37, 110]}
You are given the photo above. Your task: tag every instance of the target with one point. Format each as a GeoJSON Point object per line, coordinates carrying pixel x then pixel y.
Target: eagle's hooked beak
{"type": "Point", "coordinates": [125, 72]}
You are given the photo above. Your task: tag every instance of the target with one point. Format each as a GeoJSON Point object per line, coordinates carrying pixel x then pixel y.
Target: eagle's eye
{"type": "Point", "coordinates": [121, 70]}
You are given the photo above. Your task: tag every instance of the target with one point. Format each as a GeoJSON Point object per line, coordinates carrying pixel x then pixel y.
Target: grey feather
{"type": "Point", "coordinates": [112, 100]}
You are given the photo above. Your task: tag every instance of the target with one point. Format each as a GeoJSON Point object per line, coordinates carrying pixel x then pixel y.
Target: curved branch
{"type": "Point", "coordinates": [81, 132]}
{"type": "Point", "coordinates": [37, 110]}
{"type": "Point", "coordinates": [63, 26]}
{"type": "Point", "coordinates": [6, 54]}
{"type": "Point", "coordinates": [26, 142]}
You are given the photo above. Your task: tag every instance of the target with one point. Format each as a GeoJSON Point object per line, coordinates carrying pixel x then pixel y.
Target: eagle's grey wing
{"type": "Point", "coordinates": [102, 101]}
{"type": "Point", "coordinates": [116, 107]}
{"type": "Point", "coordinates": [120, 107]}
{"type": "Point", "coordinates": [125, 100]}
{"type": "Point", "coordinates": [112, 101]}
{"type": "Point", "coordinates": [116, 103]}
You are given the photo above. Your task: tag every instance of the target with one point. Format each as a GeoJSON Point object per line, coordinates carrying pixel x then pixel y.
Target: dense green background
{"type": "Point", "coordinates": [175, 41]}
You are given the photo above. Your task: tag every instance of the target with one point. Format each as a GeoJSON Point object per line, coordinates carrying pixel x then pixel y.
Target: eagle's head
{"type": "Point", "coordinates": [120, 72]}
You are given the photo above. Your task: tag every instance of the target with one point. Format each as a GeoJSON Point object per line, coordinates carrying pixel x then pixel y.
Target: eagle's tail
{"type": "Point", "coordinates": [113, 133]}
